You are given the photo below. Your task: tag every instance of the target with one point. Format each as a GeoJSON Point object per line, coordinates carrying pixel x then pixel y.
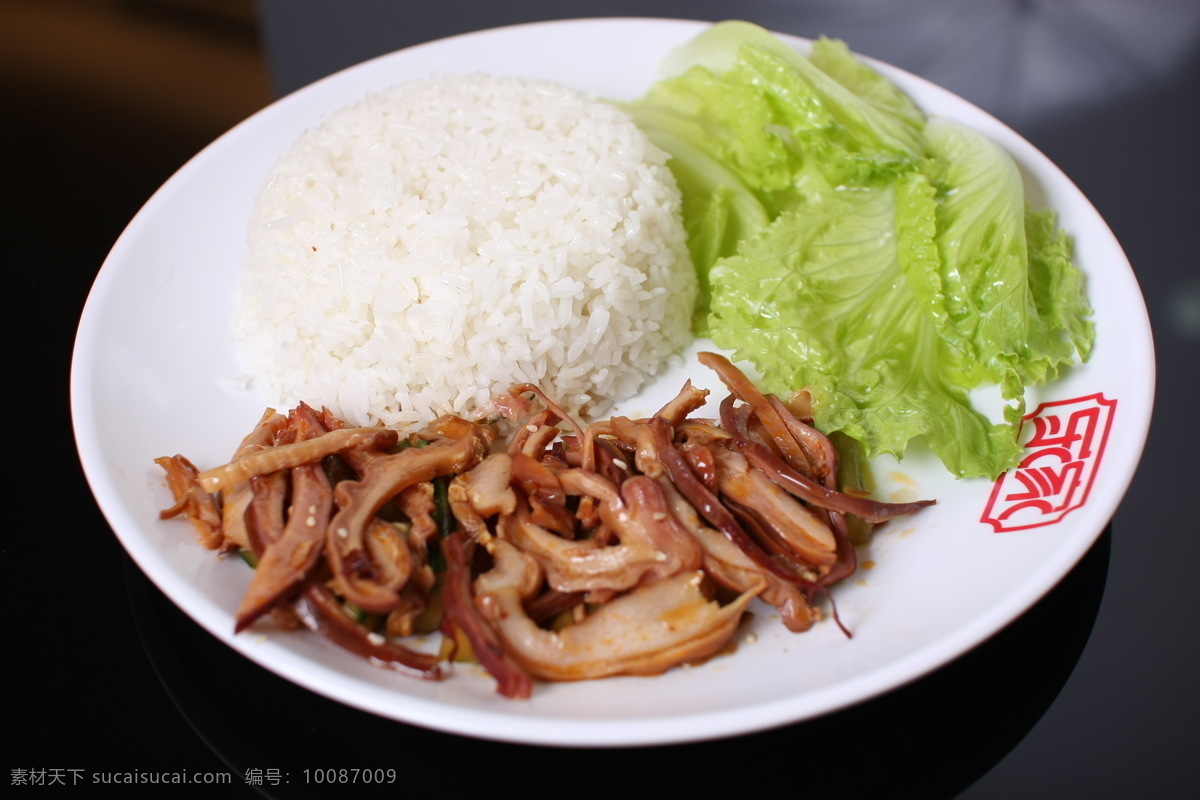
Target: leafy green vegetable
{"type": "Point", "coordinates": [985, 258]}
{"type": "Point", "coordinates": [848, 245]}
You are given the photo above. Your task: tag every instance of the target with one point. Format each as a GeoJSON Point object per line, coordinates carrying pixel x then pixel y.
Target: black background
{"type": "Point", "coordinates": [1090, 694]}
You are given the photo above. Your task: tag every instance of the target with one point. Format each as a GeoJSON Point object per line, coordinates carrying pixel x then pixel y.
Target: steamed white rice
{"type": "Point", "coordinates": [421, 251]}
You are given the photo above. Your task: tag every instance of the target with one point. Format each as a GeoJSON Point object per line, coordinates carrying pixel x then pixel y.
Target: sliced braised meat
{"type": "Point", "coordinates": [645, 632]}
{"type": "Point", "coordinates": [689, 399]}
{"type": "Point", "coordinates": [321, 612]}
{"type": "Point", "coordinates": [463, 616]}
{"type": "Point", "coordinates": [579, 565]}
{"type": "Point", "coordinates": [286, 562]}
{"type": "Point", "coordinates": [195, 504]}
{"type": "Point", "coordinates": [235, 499]}
{"type": "Point", "coordinates": [791, 524]}
{"type": "Point", "coordinates": [273, 459]}
{"type": "Point", "coordinates": [354, 574]}
{"type": "Point", "coordinates": [567, 554]}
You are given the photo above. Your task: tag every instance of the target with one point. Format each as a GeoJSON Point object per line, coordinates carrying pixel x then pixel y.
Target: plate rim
{"type": "Point", "coordinates": [549, 731]}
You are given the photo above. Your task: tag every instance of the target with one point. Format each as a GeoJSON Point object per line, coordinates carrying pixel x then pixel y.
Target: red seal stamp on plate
{"type": "Point", "coordinates": [1061, 459]}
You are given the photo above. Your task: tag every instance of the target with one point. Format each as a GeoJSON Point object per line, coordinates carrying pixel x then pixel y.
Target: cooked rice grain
{"type": "Point", "coordinates": [424, 249]}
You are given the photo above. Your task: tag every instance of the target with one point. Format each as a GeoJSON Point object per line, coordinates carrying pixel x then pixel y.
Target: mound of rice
{"type": "Point", "coordinates": [421, 251]}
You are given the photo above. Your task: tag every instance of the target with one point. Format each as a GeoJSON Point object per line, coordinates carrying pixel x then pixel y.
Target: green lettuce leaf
{"type": "Point", "coordinates": [846, 244]}
{"type": "Point", "coordinates": [1057, 285]}
{"type": "Point", "coordinates": [753, 128]}
{"type": "Point", "coordinates": [995, 300]}
{"type": "Point", "coordinates": [820, 299]}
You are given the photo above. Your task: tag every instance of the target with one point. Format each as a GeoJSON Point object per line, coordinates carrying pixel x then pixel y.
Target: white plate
{"type": "Point", "coordinates": [150, 373]}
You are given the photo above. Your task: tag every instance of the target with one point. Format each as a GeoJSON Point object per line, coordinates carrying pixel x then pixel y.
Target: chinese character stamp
{"type": "Point", "coordinates": [1062, 455]}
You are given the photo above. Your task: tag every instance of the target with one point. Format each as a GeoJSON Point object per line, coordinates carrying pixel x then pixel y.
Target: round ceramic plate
{"type": "Point", "coordinates": [154, 375]}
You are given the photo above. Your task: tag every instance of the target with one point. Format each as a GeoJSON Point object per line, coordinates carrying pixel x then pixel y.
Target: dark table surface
{"type": "Point", "coordinates": [1090, 694]}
